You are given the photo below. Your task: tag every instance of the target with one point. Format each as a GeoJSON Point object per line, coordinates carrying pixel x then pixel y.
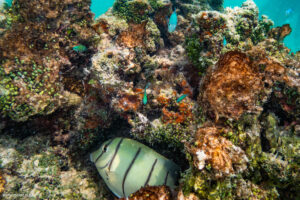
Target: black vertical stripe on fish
{"type": "Point", "coordinates": [128, 169]}
{"type": "Point", "coordinates": [116, 151]}
{"type": "Point", "coordinates": [104, 166]}
{"type": "Point", "coordinates": [103, 151]}
{"type": "Point", "coordinates": [166, 178]}
{"type": "Point", "coordinates": [150, 173]}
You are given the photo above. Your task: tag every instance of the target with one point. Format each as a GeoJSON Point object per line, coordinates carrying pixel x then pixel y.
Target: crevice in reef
{"type": "Point", "coordinates": [155, 113]}
{"type": "Point", "coordinates": [39, 124]}
{"type": "Point", "coordinates": [118, 128]}
{"type": "Point", "coordinates": [265, 144]}
{"type": "Point", "coordinates": [272, 105]}
{"type": "Point", "coordinates": [164, 149]}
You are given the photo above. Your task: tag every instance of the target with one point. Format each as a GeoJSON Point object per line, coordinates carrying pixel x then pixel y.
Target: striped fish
{"type": "Point", "coordinates": [127, 165]}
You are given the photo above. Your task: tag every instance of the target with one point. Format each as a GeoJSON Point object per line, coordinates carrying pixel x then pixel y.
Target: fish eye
{"type": "Point", "coordinates": [105, 148]}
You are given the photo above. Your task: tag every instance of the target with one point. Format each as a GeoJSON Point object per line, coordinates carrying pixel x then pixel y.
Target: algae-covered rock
{"type": "Point", "coordinates": [219, 96]}
{"type": "Point", "coordinates": [34, 170]}
{"type": "Point", "coordinates": [133, 11]}
{"type": "Point", "coordinates": [34, 62]}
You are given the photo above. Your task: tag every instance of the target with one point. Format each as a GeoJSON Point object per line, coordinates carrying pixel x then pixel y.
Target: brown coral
{"type": "Point", "coordinates": [151, 193]}
{"type": "Point", "coordinates": [221, 154]}
{"type": "Point", "coordinates": [279, 33]}
{"type": "Point", "coordinates": [191, 196]}
{"type": "Point", "coordinates": [134, 36]}
{"type": "Point", "coordinates": [232, 87]}
{"type": "Point", "coordinates": [184, 114]}
{"type": "Point", "coordinates": [130, 101]}
{"type": "Point", "coordinates": [2, 183]}
{"type": "Point", "coordinates": [101, 27]}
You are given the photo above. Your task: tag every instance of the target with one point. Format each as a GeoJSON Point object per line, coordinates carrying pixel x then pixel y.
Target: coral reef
{"type": "Point", "coordinates": [124, 60]}
{"type": "Point", "coordinates": [205, 39]}
{"type": "Point", "coordinates": [133, 11]}
{"type": "Point", "coordinates": [36, 53]}
{"type": "Point", "coordinates": [218, 153]}
{"type": "Point", "coordinates": [40, 171]}
{"type": "Point", "coordinates": [190, 196]}
{"type": "Point", "coordinates": [232, 87]}
{"type": "Point", "coordinates": [151, 193]}
{"type": "Point", "coordinates": [279, 33]}
{"type": "Point", "coordinates": [219, 96]}
{"type": "Point", "coordinates": [2, 184]}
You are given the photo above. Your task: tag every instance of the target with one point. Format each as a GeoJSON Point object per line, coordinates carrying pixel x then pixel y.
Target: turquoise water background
{"type": "Point", "coordinates": [101, 6]}
{"type": "Point", "coordinates": [280, 11]}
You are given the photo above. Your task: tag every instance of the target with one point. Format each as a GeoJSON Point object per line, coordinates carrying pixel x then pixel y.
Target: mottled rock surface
{"type": "Point", "coordinates": [219, 96]}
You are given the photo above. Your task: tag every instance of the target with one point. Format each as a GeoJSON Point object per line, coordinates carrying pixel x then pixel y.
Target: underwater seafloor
{"type": "Point", "coordinates": [215, 90]}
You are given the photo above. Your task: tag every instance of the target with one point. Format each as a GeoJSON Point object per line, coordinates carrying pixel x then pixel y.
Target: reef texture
{"type": "Point", "coordinates": [33, 169]}
{"type": "Point", "coordinates": [36, 55]}
{"type": "Point", "coordinates": [2, 184]}
{"type": "Point", "coordinates": [232, 87]}
{"type": "Point", "coordinates": [151, 193]}
{"type": "Point", "coordinates": [218, 153]}
{"type": "Point", "coordinates": [220, 96]}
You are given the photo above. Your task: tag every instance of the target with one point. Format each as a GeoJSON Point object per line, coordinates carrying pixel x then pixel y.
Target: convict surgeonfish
{"type": "Point", "coordinates": [127, 165]}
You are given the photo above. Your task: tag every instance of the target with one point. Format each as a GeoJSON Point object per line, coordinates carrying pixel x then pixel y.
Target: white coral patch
{"type": "Point", "coordinates": [201, 156]}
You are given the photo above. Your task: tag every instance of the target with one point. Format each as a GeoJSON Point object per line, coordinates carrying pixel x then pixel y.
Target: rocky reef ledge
{"type": "Point", "coordinates": [220, 96]}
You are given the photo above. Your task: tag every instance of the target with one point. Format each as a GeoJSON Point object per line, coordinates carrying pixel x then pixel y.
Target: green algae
{"type": "Point", "coordinates": [260, 31]}
{"type": "Point", "coordinates": [169, 134]}
{"type": "Point", "coordinates": [132, 11]}
{"type": "Point", "coordinates": [227, 188]}
{"type": "Point", "coordinates": [156, 4]}
{"type": "Point", "coordinates": [194, 48]}
{"type": "Point", "coordinates": [272, 152]}
{"type": "Point", "coordinates": [34, 79]}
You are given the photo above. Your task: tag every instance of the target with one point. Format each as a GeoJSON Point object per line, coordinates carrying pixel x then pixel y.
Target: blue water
{"type": "Point", "coordinates": [101, 6]}
{"type": "Point", "coordinates": [280, 11]}
{"type": "Point", "coordinates": [8, 2]}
